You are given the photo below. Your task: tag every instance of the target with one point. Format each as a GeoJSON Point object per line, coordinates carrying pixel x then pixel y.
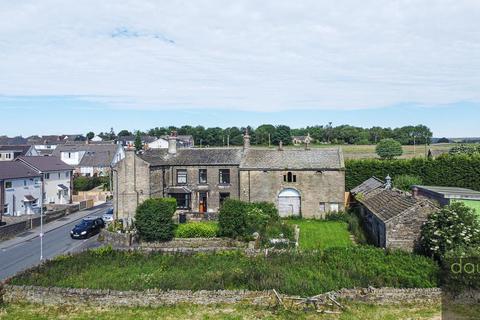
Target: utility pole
{"type": "Point", "coordinates": [269, 140]}
{"type": "Point", "coordinates": [228, 141]}
{"type": "Point", "coordinates": [414, 151]}
{"type": "Point", "coordinates": [41, 218]}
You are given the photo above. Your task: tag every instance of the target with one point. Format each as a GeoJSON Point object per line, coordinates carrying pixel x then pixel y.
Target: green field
{"type": "Point", "coordinates": [305, 274]}
{"type": "Point", "coordinates": [321, 234]}
{"type": "Point", "coordinates": [473, 204]}
{"type": "Point", "coordinates": [196, 312]}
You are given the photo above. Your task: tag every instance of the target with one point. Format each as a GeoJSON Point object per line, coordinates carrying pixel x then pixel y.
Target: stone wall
{"type": "Point", "coordinates": [154, 297]}
{"type": "Point", "coordinates": [314, 187]}
{"type": "Point", "coordinates": [180, 245]}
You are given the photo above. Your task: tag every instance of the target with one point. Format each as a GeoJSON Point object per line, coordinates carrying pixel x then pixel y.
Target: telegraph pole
{"type": "Point", "coordinates": [41, 218]}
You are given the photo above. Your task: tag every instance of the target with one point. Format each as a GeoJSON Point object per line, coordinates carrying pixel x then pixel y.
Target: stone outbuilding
{"type": "Point", "coordinates": [392, 218]}
{"type": "Point", "coordinates": [301, 182]}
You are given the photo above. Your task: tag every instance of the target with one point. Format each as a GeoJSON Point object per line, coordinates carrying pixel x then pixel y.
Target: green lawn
{"type": "Point", "coordinates": [321, 234]}
{"type": "Point", "coordinates": [238, 311]}
{"type": "Point", "coordinates": [304, 273]}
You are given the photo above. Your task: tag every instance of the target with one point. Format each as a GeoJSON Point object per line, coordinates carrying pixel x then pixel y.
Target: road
{"type": "Point", "coordinates": [23, 251]}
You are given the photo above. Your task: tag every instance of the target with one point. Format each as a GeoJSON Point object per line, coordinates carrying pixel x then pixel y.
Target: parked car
{"type": "Point", "coordinates": [108, 216]}
{"type": "Point", "coordinates": [87, 228]}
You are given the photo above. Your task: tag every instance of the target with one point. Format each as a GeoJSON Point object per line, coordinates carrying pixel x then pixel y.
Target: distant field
{"type": "Point", "coordinates": [368, 151]}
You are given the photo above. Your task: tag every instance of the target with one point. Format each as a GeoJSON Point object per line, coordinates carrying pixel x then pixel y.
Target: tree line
{"type": "Point", "coordinates": [268, 134]}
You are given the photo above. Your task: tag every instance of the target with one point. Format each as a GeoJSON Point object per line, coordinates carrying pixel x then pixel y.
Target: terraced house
{"type": "Point", "coordinates": [301, 182]}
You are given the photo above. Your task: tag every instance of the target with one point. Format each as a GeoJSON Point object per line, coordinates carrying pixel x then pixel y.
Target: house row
{"type": "Point", "coordinates": [29, 182]}
{"type": "Point", "coordinates": [394, 218]}
{"type": "Point", "coordinates": [301, 182]}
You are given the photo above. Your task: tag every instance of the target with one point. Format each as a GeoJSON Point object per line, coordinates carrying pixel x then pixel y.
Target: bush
{"type": "Point", "coordinates": [197, 230]}
{"type": "Point", "coordinates": [82, 183]}
{"type": "Point", "coordinates": [405, 181]}
{"type": "Point", "coordinates": [447, 170]}
{"type": "Point", "coordinates": [389, 149]}
{"type": "Point", "coordinates": [337, 216]}
{"type": "Point", "coordinates": [452, 227]}
{"type": "Point", "coordinates": [153, 219]}
{"type": "Point", "coordinates": [238, 219]}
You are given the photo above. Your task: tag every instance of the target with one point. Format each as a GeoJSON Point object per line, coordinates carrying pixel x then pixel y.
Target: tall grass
{"type": "Point", "coordinates": [307, 273]}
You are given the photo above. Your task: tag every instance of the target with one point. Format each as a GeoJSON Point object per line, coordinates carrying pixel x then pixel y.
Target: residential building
{"type": "Point", "coordinates": [151, 142]}
{"type": "Point", "coordinates": [296, 140]}
{"type": "Point", "coordinates": [446, 195]}
{"type": "Point", "coordinates": [56, 177]}
{"type": "Point", "coordinates": [308, 183]}
{"type": "Point", "coordinates": [391, 217]}
{"type": "Point", "coordinates": [20, 189]}
{"type": "Point", "coordinates": [129, 141]}
{"type": "Point", "coordinates": [10, 152]}
{"type": "Point", "coordinates": [90, 159]}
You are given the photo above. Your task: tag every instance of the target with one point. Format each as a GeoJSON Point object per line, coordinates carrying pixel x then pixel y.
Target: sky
{"type": "Point", "coordinates": [78, 66]}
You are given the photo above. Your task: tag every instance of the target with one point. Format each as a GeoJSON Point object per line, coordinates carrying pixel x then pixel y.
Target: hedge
{"type": "Point", "coordinates": [446, 170]}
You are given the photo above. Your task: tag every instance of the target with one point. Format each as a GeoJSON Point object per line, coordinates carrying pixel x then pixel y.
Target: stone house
{"type": "Point", "coordinates": [305, 182]}
{"type": "Point", "coordinates": [392, 218]}
{"type": "Point", "coordinates": [302, 139]}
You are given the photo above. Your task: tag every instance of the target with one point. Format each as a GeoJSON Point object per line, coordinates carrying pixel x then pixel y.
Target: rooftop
{"type": "Point", "coordinates": [16, 170]}
{"type": "Point", "coordinates": [44, 164]}
{"type": "Point", "coordinates": [203, 156]}
{"type": "Point", "coordinates": [452, 192]}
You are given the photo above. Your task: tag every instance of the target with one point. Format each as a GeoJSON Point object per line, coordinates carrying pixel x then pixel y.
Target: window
{"type": "Point", "coordinates": [183, 200]}
{"type": "Point", "coordinates": [334, 207]}
{"type": "Point", "coordinates": [5, 208]}
{"type": "Point", "coordinates": [8, 156]}
{"type": "Point", "coordinates": [289, 177]}
{"type": "Point", "coordinates": [47, 175]}
{"type": "Point", "coordinates": [69, 155]}
{"type": "Point", "coordinates": [202, 176]}
{"type": "Point", "coordinates": [67, 174]}
{"type": "Point", "coordinates": [181, 176]}
{"type": "Point", "coordinates": [224, 176]}
{"type": "Point", "coordinates": [24, 183]}
{"type": "Point", "coordinates": [59, 175]}
{"type": "Point", "coordinates": [8, 184]}
{"type": "Point", "coordinates": [322, 206]}
{"type": "Point", "coordinates": [224, 196]}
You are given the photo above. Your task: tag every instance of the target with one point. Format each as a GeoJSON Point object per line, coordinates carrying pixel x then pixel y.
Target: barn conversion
{"type": "Point", "coordinates": [301, 182]}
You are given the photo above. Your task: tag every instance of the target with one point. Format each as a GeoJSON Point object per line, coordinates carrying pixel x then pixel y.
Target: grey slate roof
{"type": "Point", "coordinates": [183, 157]}
{"type": "Point", "coordinates": [23, 149]}
{"type": "Point", "coordinates": [44, 164]}
{"type": "Point", "coordinates": [367, 186]}
{"type": "Point", "coordinates": [96, 155]}
{"type": "Point", "coordinates": [293, 159]}
{"type": "Point", "coordinates": [16, 170]}
{"type": "Point", "coordinates": [452, 192]}
{"type": "Point", "coordinates": [4, 140]}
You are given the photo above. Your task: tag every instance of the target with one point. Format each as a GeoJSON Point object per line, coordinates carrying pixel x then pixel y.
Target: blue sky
{"type": "Point", "coordinates": [72, 115]}
{"type": "Point", "coordinates": [75, 66]}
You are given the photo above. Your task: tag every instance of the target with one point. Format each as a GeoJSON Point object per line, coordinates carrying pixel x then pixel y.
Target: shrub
{"type": "Point", "coordinates": [389, 149]}
{"type": "Point", "coordinates": [82, 183]}
{"type": "Point", "coordinates": [337, 216]}
{"type": "Point", "coordinates": [405, 181]}
{"type": "Point", "coordinates": [197, 230]}
{"type": "Point", "coordinates": [232, 218]}
{"type": "Point", "coordinates": [153, 219]}
{"type": "Point", "coordinates": [452, 227]}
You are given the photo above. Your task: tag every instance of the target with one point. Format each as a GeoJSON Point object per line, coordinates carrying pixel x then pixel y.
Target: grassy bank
{"type": "Point", "coordinates": [321, 234]}
{"type": "Point", "coordinates": [303, 274]}
{"type": "Point", "coordinates": [194, 312]}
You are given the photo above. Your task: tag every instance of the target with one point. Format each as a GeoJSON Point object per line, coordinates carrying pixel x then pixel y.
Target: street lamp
{"type": "Point", "coordinates": [41, 218]}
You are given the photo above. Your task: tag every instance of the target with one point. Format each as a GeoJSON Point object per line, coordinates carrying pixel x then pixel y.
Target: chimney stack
{"type": "Point", "coordinates": [415, 192]}
{"type": "Point", "coordinates": [246, 139]}
{"type": "Point", "coordinates": [388, 182]}
{"type": "Point", "coordinates": [172, 143]}
{"type": "Point", "coordinates": [280, 146]}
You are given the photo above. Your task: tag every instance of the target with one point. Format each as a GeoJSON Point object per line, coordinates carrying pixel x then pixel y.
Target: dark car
{"type": "Point", "coordinates": [87, 228]}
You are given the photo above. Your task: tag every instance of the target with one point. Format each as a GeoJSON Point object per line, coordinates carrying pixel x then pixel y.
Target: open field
{"type": "Point", "coordinates": [194, 312]}
{"type": "Point", "coordinates": [305, 274]}
{"type": "Point", "coordinates": [368, 151]}
{"type": "Point", "coordinates": [320, 234]}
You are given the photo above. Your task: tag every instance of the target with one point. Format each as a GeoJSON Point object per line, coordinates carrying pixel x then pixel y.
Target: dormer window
{"type": "Point", "coordinates": [290, 177]}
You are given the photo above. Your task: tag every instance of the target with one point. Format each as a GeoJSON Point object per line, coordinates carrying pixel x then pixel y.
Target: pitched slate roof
{"type": "Point", "coordinates": [23, 149]}
{"type": "Point", "coordinates": [96, 155]}
{"type": "Point", "coordinates": [4, 140]}
{"type": "Point", "coordinates": [44, 164]}
{"type": "Point", "coordinates": [16, 170]}
{"type": "Point", "coordinates": [367, 186]}
{"type": "Point", "coordinates": [293, 159]}
{"type": "Point", "coordinates": [204, 156]}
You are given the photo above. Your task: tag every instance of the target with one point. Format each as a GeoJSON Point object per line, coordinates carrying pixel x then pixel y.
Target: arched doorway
{"type": "Point", "coordinates": [289, 203]}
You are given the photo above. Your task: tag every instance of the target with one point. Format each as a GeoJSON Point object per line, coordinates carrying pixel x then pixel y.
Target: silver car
{"type": "Point", "coordinates": [108, 216]}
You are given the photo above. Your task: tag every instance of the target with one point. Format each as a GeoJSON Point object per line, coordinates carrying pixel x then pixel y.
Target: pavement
{"type": "Point", "coordinates": [23, 251]}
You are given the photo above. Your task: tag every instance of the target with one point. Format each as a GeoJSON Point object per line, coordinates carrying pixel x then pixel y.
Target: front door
{"type": "Point", "coordinates": [202, 202]}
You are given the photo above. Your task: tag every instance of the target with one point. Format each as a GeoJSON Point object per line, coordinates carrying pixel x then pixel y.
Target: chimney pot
{"type": "Point", "coordinates": [246, 140]}
{"type": "Point", "coordinates": [388, 182]}
{"type": "Point", "coordinates": [172, 143]}
{"type": "Point", "coordinates": [280, 146]}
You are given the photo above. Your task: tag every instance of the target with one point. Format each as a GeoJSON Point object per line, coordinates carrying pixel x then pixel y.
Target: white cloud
{"type": "Point", "coordinates": [249, 55]}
